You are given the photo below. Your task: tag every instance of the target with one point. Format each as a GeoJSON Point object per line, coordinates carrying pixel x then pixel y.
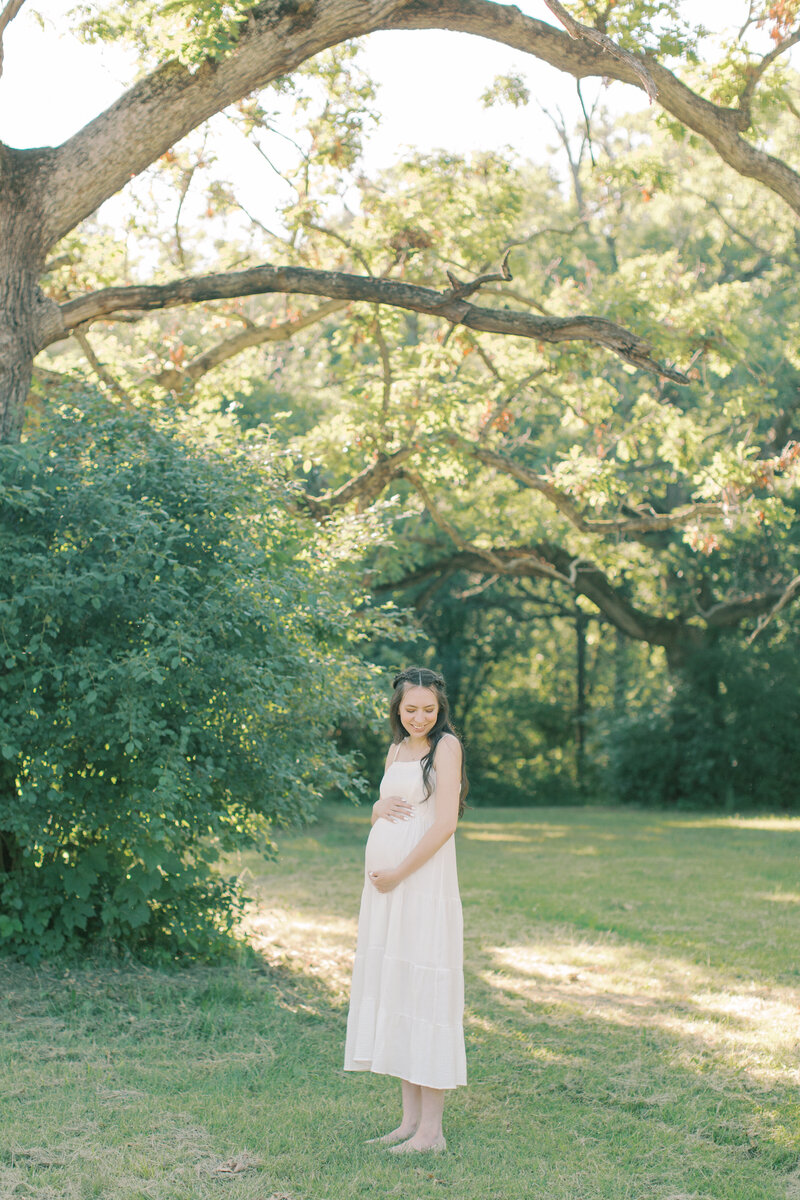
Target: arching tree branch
{"type": "Point", "coordinates": [391, 467]}
{"type": "Point", "coordinates": [679, 635]}
{"type": "Point", "coordinates": [6, 17]}
{"type": "Point", "coordinates": [649, 521]}
{"type": "Point", "coordinates": [544, 560]}
{"type": "Point", "coordinates": [731, 612]}
{"type": "Point", "coordinates": [277, 37]}
{"type": "Point", "coordinates": [177, 378]}
{"type": "Point", "coordinates": [449, 306]}
{"type": "Point", "coordinates": [720, 126]}
{"type": "Point", "coordinates": [365, 487]}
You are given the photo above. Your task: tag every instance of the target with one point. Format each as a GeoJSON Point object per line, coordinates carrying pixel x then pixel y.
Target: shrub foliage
{"type": "Point", "coordinates": [171, 666]}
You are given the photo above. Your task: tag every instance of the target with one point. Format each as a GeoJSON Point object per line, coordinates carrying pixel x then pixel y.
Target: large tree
{"type": "Point", "coordinates": [213, 56]}
{"type": "Point", "coordinates": [534, 412]}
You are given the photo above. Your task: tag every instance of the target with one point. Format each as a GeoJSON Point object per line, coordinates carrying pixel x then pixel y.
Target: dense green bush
{"type": "Point", "coordinates": [725, 734]}
{"type": "Point", "coordinates": [174, 650]}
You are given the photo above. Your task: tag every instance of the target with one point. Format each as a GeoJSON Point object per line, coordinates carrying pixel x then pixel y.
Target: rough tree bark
{"type": "Point", "coordinates": [25, 314]}
{"type": "Point", "coordinates": [450, 305]}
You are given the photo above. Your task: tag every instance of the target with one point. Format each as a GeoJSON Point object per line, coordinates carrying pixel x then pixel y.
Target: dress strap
{"type": "Point", "coordinates": [397, 746]}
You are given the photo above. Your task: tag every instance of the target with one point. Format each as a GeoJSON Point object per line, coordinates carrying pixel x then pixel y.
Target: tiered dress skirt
{"type": "Point", "coordinates": [407, 997]}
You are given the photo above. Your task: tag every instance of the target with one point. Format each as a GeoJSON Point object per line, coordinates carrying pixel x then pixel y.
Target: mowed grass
{"type": "Point", "coordinates": [633, 1030]}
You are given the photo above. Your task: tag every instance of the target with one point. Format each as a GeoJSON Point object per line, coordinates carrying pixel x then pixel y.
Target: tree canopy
{"type": "Point", "coordinates": [198, 59]}
{"type": "Point", "coordinates": [658, 311]}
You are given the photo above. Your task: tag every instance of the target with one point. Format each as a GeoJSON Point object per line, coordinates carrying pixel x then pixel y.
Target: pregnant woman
{"type": "Point", "coordinates": [407, 998]}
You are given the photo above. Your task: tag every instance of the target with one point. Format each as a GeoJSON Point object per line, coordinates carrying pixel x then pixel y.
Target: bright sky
{"type": "Point", "coordinates": [430, 88]}
{"type": "Point", "coordinates": [430, 83]}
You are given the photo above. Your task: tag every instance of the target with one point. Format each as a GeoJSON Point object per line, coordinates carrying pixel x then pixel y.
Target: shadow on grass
{"type": "Point", "coordinates": [604, 1064]}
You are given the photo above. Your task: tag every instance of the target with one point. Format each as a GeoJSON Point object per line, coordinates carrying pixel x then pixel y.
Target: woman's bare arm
{"type": "Point", "coordinates": [447, 765]}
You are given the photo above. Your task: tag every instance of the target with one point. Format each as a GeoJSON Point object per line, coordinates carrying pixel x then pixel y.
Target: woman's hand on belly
{"type": "Point", "coordinates": [392, 808]}
{"type": "Point", "coordinates": [385, 881]}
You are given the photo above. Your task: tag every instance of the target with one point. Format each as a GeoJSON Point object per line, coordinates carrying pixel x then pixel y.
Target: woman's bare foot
{"type": "Point", "coordinates": [419, 1143]}
{"type": "Point", "coordinates": [397, 1135]}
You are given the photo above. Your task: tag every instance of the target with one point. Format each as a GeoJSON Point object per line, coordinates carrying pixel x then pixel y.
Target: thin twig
{"type": "Point", "coordinates": [386, 363]}
{"type": "Point", "coordinates": [102, 373]}
{"type": "Point", "coordinates": [586, 122]}
{"type": "Point", "coordinates": [333, 233]}
{"type": "Point", "coordinates": [750, 19]}
{"type": "Point", "coordinates": [497, 564]}
{"type": "Point", "coordinates": [790, 592]}
{"type": "Point", "coordinates": [460, 290]}
{"type": "Point", "coordinates": [729, 224]}
{"type": "Point", "coordinates": [446, 526]}
{"type": "Point", "coordinates": [186, 183]}
{"type": "Point", "coordinates": [755, 74]}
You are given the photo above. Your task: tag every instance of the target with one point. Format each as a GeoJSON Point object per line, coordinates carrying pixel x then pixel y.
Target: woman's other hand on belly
{"type": "Point", "coordinates": [385, 881]}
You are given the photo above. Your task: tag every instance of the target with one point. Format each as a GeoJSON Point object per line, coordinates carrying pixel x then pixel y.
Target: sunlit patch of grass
{"type": "Point", "coordinates": [774, 824]}
{"type": "Point", "coordinates": [486, 835]}
{"type": "Point", "coordinates": [632, 981]}
{"type": "Point", "coordinates": [319, 945]}
{"type": "Point", "coordinates": [757, 1028]}
{"type": "Point", "coordinates": [778, 897]}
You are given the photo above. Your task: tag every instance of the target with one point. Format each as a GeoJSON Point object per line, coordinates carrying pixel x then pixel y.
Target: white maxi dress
{"type": "Point", "coordinates": [407, 996]}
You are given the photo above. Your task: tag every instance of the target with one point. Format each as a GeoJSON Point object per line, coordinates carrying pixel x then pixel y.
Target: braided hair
{"type": "Point", "coordinates": [425, 678]}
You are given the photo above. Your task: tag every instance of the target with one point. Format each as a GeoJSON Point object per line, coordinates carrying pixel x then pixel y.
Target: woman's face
{"type": "Point", "coordinates": [418, 711]}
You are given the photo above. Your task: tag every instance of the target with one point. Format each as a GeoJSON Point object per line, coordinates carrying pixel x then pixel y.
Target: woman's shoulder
{"type": "Point", "coordinates": [392, 752]}
{"type": "Point", "coordinates": [448, 747]}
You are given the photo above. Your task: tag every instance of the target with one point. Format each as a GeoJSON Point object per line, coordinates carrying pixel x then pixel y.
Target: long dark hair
{"type": "Point", "coordinates": [422, 677]}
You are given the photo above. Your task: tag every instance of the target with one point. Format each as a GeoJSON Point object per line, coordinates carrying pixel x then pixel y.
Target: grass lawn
{"type": "Point", "coordinates": [633, 1031]}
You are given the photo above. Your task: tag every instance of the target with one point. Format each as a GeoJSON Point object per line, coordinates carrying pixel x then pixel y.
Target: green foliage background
{"type": "Point", "coordinates": [197, 626]}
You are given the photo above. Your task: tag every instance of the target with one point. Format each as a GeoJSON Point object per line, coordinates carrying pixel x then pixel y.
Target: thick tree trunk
{"type": "Point", "coordinates": [620, 673]}
{"type": "Point", "coordinates": [26, 316]}
{"type": "Point", "coordinates": [10, 852]}
{"type": "Point", "coordinates": [16, 351]}
{"type": "Point", "coordinates": [581, 621]}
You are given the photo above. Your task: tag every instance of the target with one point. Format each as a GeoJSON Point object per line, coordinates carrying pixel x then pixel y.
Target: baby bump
{"type": "Point", "coordinates": [389, 842]}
